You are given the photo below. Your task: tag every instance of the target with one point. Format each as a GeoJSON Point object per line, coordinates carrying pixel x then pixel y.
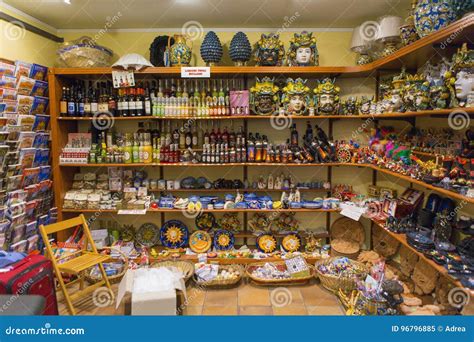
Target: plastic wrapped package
{"type": "Point", "coordinates": [84, 53]}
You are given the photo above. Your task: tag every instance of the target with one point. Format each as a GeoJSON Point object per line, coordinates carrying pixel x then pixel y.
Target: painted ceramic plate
{"type": "Point", "coordinates": [205, 221]}
{"type": "Point", "coordinates": [266, 243]}
{"type": "Point", "coordinates": [223, 240]}
{"type": "Point", "coordinates": [291, 243]}
{"type": "Point", "coordinates": [147, 235]}
{"type": "Point", "coordinates": [174, 234]}
{"type": "Point", "coordinates": [200, 241]}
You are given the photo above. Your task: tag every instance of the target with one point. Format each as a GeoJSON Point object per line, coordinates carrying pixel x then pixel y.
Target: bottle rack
{"type": "Point", "coordinates": [411, 56]}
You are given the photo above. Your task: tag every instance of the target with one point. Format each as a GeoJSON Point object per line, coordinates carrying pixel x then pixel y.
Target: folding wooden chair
{"type": "Point", "coordinates": [77, 262]}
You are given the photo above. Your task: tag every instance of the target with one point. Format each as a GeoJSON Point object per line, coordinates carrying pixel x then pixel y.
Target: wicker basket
{"type": "Point", "coordinates": [112, 279]}
{"type": "Point", "coordinates": [372, 306]}
{"type": "Point", "coordinates": [186, 267]}
{"type": "Point", "coordinates": [277, 282]}
{"type": "Point", "coordinates": [224, 283]}
{"type": "Point", "coordinates": [334, 283]}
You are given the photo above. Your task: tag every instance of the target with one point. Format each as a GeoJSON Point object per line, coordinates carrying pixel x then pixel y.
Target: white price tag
{"type": "Point", "coordinates": [195, 72]}
{"type": "Point", "coordinates": [132, 212]}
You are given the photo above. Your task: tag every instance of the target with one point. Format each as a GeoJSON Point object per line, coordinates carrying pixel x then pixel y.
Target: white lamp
{"type": "Point", "coordinates": [389, 33]}
{"type": "Point", "coordinates": [360, 46]}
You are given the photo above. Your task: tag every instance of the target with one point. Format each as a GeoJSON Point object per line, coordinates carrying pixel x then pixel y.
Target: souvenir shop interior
{"type": "Point", "coordinates": [191, 157]}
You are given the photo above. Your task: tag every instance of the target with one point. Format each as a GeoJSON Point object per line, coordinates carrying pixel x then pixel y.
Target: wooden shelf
{"type": "Point", "coordinates": [412, 56]}
{"type": "Point", "coordinates": [228, 261]}
{"type": "Point", "coordinates": [163, 210]}
{"type": "Point", "coordinates": [439, 113]}
{"type": "Point", "coordinates": [242, 190]}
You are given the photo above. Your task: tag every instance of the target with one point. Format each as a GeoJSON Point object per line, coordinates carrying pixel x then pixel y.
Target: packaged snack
{"type": "Point", "coordinates": [32, 191]}
{"type": "Point", "coordinates": [32, 243]}
{"type": "Point", "coordinates": [19, 246]}
{"type": "Point", "coordinates": [41, 122]}
{"type": "Point", "coordinates": [44, 173]}
{"type": "Point", "coordinates": [13, 169]}
{"type": "Point", "coordinates": [39, 72]}
{"type": "Point", "coordinates": [30, 176]}
{"type": "Point", "coordinates": [40, 104]}
{"type": "Point", "coordinates": [40, 89]}
{"type": "Point", "coordinates": [24, 104]}
{"type": "Point", "coordinates": [41, 157]}
{"type": "Point", "coordinates": [31, 228]}
{"type": "Point", "coordinates": [27, 156]}
{"type": "Point", "coordinates": [26, 139]}
{"type": "Point", "coordinates": [17, 229]}
{"type": "Point", "coordinates": [25, 86]}
{"type": "Point", "coordinates": [7, 69]}
{"type": "Point", "coordinates": [8, 82]}
{"type": "Point", "coordinates": [26, 122]}
{"type": "Point", "coordinates": [16, 209]}
{"type": "Point", "coordinates": [22, 69]}
{"type": "Point", "coordinates": [30, 209]}
{"type": "Point", "coordinates": [16, 196]}
{"type": "Point", "coordinates": [41, 140]}
{"type": "Point", "coordinates": [8, 106]}
{"type": "Point", "coordinates": [13, 182]}
{"type": "Point", "coordinates": [8, 94]}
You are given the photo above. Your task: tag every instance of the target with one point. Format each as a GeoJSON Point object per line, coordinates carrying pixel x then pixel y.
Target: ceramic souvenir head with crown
{"type": "Point", "coordinates": [269, 50]}
{"type": "Point", "coordinates": [264, 97]}
{"type": "Point", "coordinates": [462, 76]}
{"type": "Point", "coordinates": [327, 94]}
{"type": "Point", "coordinates": [395, 97]}
{"type": "Point", "coordinates": [303, 50]}
{"type": "Point", "coordinates": [365, 104]}
{"type": "Point", "coordinates": [296, 96]}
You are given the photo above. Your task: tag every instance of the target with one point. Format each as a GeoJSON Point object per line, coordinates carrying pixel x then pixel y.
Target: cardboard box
{"type": "Point", "coordinates": [159, 302]}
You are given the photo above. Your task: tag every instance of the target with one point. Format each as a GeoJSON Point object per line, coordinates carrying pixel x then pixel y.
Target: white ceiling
{"type": "Point", "coordinates": [155, 14]}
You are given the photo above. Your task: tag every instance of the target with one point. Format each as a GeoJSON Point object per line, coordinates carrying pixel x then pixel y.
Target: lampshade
{"type": "Point", "coordinates": [389, 27]}
{"type": "Point", "coordinates": [357, 40]}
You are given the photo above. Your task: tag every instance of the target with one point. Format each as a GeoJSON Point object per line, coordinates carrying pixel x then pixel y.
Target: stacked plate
{"type": "Point", "coordinates": [420, 242]}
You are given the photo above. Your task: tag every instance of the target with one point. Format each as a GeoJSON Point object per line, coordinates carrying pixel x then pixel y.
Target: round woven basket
{"type": "Point", "coordinates": [185, 267]}
{"type": "Point", "coordinates": [333, 282]}
{"type": "Point", "coordinates": [224, 283]}
{"type": "Point", "coordinates": [112, 279]}
{"type": "Point", "coordinates": [346, 229]}
{"type": "Point", "coordinates": [276, 282]}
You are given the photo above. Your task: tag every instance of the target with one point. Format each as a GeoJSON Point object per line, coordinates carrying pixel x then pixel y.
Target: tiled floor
{"type": "Point", "coordinates": [246, 299]}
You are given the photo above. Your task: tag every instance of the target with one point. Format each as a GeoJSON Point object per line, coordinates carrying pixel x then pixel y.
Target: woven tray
{"type": "Point", "coordinates": [112, 279]}
{"type": "Point", "coordinates": [334, 283]}
{"type": "Point", "coordinates": [224, 283]}
{"type": "Point", "coordinates": [277, 282]}
{"type": "Point", "coordinates": [186, 267]}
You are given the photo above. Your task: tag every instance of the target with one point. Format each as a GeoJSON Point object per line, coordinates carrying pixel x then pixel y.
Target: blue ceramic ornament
{"type": "Point", "coordinates": [433, 15]}
{"type": "Point", "coordinates": [211, 49]}
{"type": "Point", "coordinates": [240, 49]}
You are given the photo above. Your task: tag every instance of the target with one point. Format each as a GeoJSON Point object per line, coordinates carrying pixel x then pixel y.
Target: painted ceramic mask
{"type": "Point", "coordinates": [269, 50]}
{"type": "Point", "coordinates": [296, 96]}
{"type": "Point", "coordinates": [463, 67]}
{"type": "Point", "coordinates": [264, 97]}
{"type": "Point", "coordinates": [303, 50]}
{"type": "Point", "coordinates": [327, 94]}
{"type": "Point", "coordinates": [350, 106]}
{"type": "Point", "coordinates": [439, 95]}
{"type": "Point", "coordinates": [422, 100]}
{"type": "Point", "coordinates": [365, 105]}
{"type": "Point", "coordinates": [396, 94]}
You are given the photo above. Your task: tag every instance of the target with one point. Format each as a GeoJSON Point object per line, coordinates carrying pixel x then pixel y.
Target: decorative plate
{"type": "Point", "coordinates": [291, 243]}
{"type": "Point", "coordinates": [205, 221]}
{"type": "Point", "coordinates": [147, 235]}
{"type": "Point", "coordinates": [223, 240]}
{"type": "Point", "coordinates": [200, 241]}
{"type": "Point", "coordinates": [266, 243]}
{"type": "Point", "coordinates": [174, 234]}
{"type": "Point", "coordinates": [128, 232]}
{"type": "Point", "coordinates": [343, 154]}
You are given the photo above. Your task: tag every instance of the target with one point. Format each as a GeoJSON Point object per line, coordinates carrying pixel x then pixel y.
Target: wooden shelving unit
{"type": "Point", "coordinates": [411, 56]}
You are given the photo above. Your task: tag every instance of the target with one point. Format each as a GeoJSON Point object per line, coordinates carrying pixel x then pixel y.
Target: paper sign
{"type": "Point", "coordinates": [123, 79]}
{"type": "Point", "coordinates": [132, 212]}
{"type": "Point", "coordinates": [195, 72]}
{"type": "Point", "coordinates": [351, 211]}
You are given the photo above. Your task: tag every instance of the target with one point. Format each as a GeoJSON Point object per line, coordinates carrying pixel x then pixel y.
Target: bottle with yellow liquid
{"type": "Point", "coordinates": [147, 149]}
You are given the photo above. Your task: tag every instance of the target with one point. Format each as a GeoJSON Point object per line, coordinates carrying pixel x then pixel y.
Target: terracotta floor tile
{"type": "Point", "coordinates": [196, 296]}
{"type": "Point", "coordinates": [255, 310]}
{"type": "Point", "coordinates": [219, 310]}
{"type": "Point", "coordinates": [284, 296]}
{"type": "Point", "coordinates": [325, 310]}
{"type": "Point", "coordinates": [192, 311]}
{"type": "Point", "coordinates": [292, 310]}
{"type": "Point", "coordinates": [250, 295]}
{"type": "Point", "coordinates": [316, 295]}
{"type": "Point", "coordinates": [221, 297]}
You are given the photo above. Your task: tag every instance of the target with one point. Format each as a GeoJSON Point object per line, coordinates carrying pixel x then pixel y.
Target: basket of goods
{"type": "Point", "coordinates": [84, 53]}
{"type": "Point", "coordinates": [185, 267]}
{"type": "Point", "coordinates": [213, 275]}
{"type": "Point", "coordinates": [347, 238]}
{"type": "Point", "coordinates": [293, 271]}
{"type": "Point", "coordinates": [340, 273]}
{"type": "Point", "coordinates": [115, 270]}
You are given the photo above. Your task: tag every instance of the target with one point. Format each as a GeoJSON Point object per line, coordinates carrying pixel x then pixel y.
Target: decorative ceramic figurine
{"type": "Point", "coordinates": [240, 49]}
{"type": "Point", "coordinates": [432, 15]}
{"type": "Point", "coordinates": [396, 94]}
{"type": "Point", "coordinates": [365, 105]}
{"type": "Point", "coordinates": [408, 31]}
{"type": "Point", "coordinates": [211, 49]}
{"type": "Point", "coordinates": [327, 94]}
{"type": "Point", "coordinates": [463, 67]}
{"type": "Point", "coordinates": [463, 6]}
{"type": "Point", "coordinates": [296, 97]}
{"type": "Point", "coordinates": [409, 92]}
{"type": "Point", "coordinates": [422, 87]}
{"type": "Point", "coordinates": [303, 50]}
{"type": "Point", "coordinates": [350, 106]}
{"type": "Point", "coordinates": [264, 97]}
{"type": "Point", "coordinates": [269, 50]}
{"type": "Point", "coordinates": [179, 53]}
{"type": "Point", "coordinates": [439, 94]}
